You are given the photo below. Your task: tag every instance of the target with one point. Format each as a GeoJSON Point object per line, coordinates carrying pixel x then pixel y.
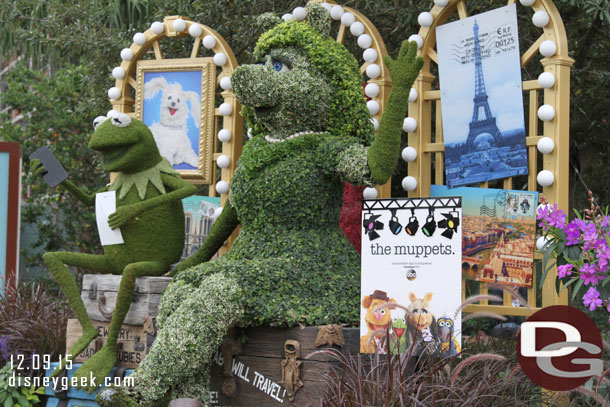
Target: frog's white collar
{"type": "Point", "coordinates": [295, 135]}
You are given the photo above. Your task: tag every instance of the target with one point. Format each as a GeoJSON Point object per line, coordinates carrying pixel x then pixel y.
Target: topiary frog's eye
{"type": "Point", "coordinates": [99, 120]}
{"type": "Point", "coordinates": [279, 66]}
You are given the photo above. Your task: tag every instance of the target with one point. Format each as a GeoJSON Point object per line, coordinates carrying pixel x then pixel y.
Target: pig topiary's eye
{"type": "Point", "coordinates": [280, 66]}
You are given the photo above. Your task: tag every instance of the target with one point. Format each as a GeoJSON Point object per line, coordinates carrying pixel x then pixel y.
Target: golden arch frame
{"type": "Point", "coordinates": [233, 122]}
{"type": "Point", "coordinates": [558, 96]}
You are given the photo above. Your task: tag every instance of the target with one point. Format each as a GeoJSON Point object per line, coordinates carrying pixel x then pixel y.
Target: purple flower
{"type": "Point", "coordinates": [565, 270]}
{"type": "Point", "coordinates": [543, 211]}
{"type": "Point", "coordinates": [605, 222]}
{"type": "Point", "coordinates": [572, 233]}
{"type": "Point", "coordinates": [588, 273]}
{"type": "Point", "coordinates": [603, 256]}
{"type": "Point", "coordinates": [591, 299]}
{"type": "Point", "coordinates": [557, 218]}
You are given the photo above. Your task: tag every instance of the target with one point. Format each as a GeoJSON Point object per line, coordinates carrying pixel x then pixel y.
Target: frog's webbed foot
{"type": "Point", "coordinates": [95, 370]}
{"type": "Point", "coordinates": [88, 335]}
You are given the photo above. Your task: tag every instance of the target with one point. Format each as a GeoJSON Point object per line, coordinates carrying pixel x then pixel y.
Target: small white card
{"type": "Point", "coordinates": [105, 205]}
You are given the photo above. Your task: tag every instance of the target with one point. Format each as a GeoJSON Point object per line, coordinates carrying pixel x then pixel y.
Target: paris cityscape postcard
{"type": "Point", "coordinates": [499, 233]}
{"type": "Point", "coordinates": [482, 98]}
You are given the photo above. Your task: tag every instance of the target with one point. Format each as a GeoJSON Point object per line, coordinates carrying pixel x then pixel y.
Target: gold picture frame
{"type": "Point", "coordinates": [167, 94]}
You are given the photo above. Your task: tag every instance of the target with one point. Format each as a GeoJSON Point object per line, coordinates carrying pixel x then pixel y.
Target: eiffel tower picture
{"type": "Point", "coordinates": [482, 106]}
{"type": "Point", "coordinates": [482, 120]}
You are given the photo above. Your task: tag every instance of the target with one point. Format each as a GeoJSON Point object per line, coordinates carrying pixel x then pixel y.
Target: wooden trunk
{"type": "Point", "coordinates": [100, 291]}
{"type": "Point", "coordinates": [257, 370]}
{"type": "Point", "coordinates": [133, 343]}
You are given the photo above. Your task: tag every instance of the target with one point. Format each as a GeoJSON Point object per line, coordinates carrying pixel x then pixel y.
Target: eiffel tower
{"type": "Point", "coordinates": [486, 123]}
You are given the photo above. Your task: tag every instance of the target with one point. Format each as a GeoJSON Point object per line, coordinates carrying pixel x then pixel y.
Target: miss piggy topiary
{"type": "Point", "coordinates": [291, 262]}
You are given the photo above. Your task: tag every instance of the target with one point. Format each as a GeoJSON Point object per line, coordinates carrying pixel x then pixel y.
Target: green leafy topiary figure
{"type": "Point", "coordinates": [150, 215]}
{"type": "Point", "coordinates": [291, 262]}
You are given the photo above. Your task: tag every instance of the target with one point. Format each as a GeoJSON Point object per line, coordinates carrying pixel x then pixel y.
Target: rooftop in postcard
{"type": "Point", "coordinates": [175, 99]}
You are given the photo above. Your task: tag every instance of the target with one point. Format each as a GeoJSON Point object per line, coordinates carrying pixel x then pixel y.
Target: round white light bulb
{"type": "Point", "coordinates": [546, 145]}
{"type": "Point", "coordinates": [365, 41]}
{"type": "Point", "coordinates": [418, 39]}
{"type": "Point", "coordinates": [225, 109]}
{"type": "Point", "coordinates": [548, 48]}
{"type": "Point", "coordinates": [287, 17]}
{"type": "Point", "coordinates": [546, 80]}
{"type": "Point", "coordinates": [179, 25]}
{"type": "Point", "coordinates": [157, 27]}
{"type": "Point", "coordinates": [114, 93]}
{"type": "Point", "coordinates": [118, 73]}
{"type": "Point", "coordinates": [195, 30]}
{"type": "Point", "coordinates": [224, 135]}
{"type": "Point", "coordinates": [527, 3]}
{"type": "Point", "coordinates": [220, 58]}
{"type": "Point", "coordinates": [373, 71]}
{"type": "Point", "coordinates": [356, 29]}
{"type": "Point", "coordinates": [371, 90]}
{"type": "Point", "coordinates": [441, 3]}
{"type": "Point", "coordinates": [336, 12]}
{"type": "Point", "coordinates": [541, 242]}
{"type": "Point", "coordinates": [425, 19]}
{"type": "Point", "coordinates": [222, 187]}
{"type": "Point", "coordinates": [225, 83]}
{"type": "Point", "coordinates": [369, 193]}
{"type": "Point", "coordinates": [223, 161]}
{"type": "Point", "coordinates": [409, 125]}
{"type": "Point", "coordinates": [126, 54]}
{"type": "Point", "coordinates": [370, 55]}
{"type": "Point", "coordinates": [373, 106]}
{"type": "Point", "coordinates": [540, 18]}
{"type": "Point", "coordinates": [327, 6]}
{"type": "Point", "coordinates": [217, 212]}
{"type": "Point", "coordinates": [409, 183]}
{"type": "Point", "coordinates": [139, 38]}
{"type": "Point", "coordinates": [409, 154]}
{"type": "Point", "coordinates": [412, 95]}
{"type": "Point", "coordinates": [347, 19]}
{"type": "Point", "coordinates": [209, 41]}
{"type": "Point", "coordinates": [546, 113]}
{"type": "Point", "coordinates": [299, 13]}
{"type": "Point", "coordinates": [545, 178]}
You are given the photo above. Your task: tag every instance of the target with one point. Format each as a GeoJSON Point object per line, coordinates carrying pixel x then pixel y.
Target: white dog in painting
{"type": "Point", "coordinates": [170, 132]}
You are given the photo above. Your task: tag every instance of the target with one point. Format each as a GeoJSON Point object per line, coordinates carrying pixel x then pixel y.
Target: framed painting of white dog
{"type": "Point", "coordinates": [175, 98]}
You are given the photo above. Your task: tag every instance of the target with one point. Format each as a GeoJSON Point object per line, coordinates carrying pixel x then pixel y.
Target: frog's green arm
{"type": "Point", "coordinates": [88, 199]}
{"type": "Point", "coordinates": [221, 230]}
{"type": "Point", "coordinates": [84, 197]}
{"type": "Point", "coordinates": [383, 153]}
{"type": "Point", "coordinates": [180, 189]}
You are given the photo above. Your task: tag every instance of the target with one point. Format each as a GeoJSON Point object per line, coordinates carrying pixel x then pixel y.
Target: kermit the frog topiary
{"type": "Point", "coordinates": [151, 219]}
{"type": "Point", "coordinates": [291, 263]}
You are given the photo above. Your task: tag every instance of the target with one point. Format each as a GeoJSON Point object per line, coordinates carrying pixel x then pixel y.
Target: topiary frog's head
{"type": "Point", "coordinates": [127, 145]}
{"type": "Point", "coordinates": [304, 81]}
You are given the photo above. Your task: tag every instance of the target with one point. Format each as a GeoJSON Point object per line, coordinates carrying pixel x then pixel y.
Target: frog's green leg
{"type": "Point", "coordinates": [100, 365]}
{"type": "Point", "coordinates": [221, 230]}
{"type": "Point", "coordinates": [57, 262]}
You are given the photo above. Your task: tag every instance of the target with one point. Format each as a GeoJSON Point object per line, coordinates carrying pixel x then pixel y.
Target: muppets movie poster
{"type": "Point", "coordinates": [411, 276]}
